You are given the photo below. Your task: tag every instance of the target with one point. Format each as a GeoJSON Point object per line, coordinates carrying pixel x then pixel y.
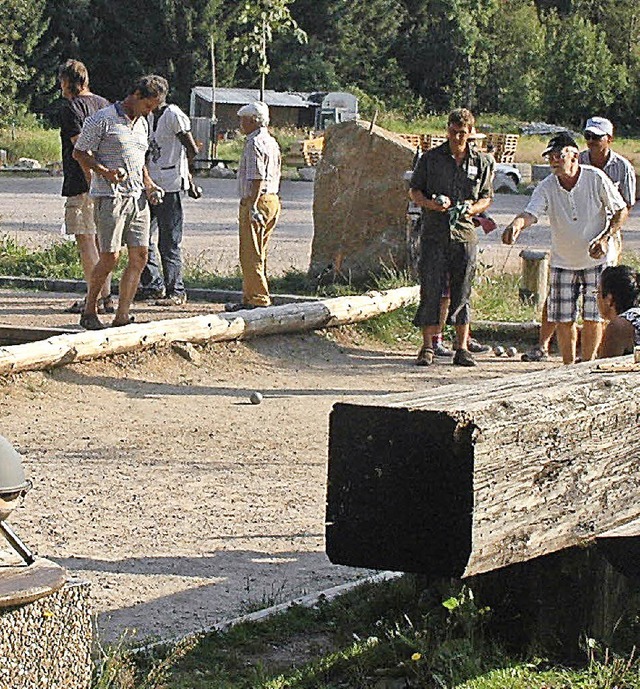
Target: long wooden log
{"type": "Point", "coordinates": [466, 479]}
{"type": "Point", "coordinates": [64, 349]}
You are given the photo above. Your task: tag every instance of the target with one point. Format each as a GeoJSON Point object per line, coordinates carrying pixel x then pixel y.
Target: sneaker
{"type": "Point", "coordinates": [89, 321]}
{"type": "Point", "coordinates": [439, 349]}
{"type": "Point", "coordinates": [535, 354]}
{"type": "Point", "coordinates": [425, 357]}
{"type": "Point", "coordinates": [172, 300]}
{"type": "Point", "coordinates": [477, 347]}
{"type": "Point", "coordinates": [463, 357]}
{"type": "Point", "coordinates": [106, 305]}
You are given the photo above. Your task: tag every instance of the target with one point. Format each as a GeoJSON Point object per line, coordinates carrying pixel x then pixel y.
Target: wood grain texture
{"type": "Point", "coordinates": [549, 460]}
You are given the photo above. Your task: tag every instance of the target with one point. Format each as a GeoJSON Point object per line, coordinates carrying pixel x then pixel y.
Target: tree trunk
{"type": "Point", "coordinates": [64, 349]}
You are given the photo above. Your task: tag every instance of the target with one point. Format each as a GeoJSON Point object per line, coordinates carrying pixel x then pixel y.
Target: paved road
{"type": "Point", "coordinates": [31, 210]}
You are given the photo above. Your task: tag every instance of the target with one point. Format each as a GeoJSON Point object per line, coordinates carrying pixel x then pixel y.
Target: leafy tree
{"type": "Point", "coordinates": [259, 22]}
{"type": "Point", "coordinates": [515, 54]}
{"type": "Point", "coordinates": [581, 76]}
{"type": "Point", "coordinates": [22, 23]}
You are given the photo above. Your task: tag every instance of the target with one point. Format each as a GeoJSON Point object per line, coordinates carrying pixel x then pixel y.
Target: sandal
{"type": "Point", "coordinates": [535, 354]}
{"type": "Point", "coordinates": [76, 307]}
{"type": "Point", "coordinates": [114, 324]}
{"type": "Point", "coordinates": [89, 321]}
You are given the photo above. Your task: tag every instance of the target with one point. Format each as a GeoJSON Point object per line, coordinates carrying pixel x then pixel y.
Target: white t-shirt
{"type": "Point", "coordinates": [577, 216]}
{"type": "Point", "coordinates": [167, 162]}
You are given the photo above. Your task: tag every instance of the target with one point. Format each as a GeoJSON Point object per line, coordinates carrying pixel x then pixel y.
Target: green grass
{"type": "Point", "coordinates": [31, 142]}
{"type": "Point", "coordinates": [391, 634]}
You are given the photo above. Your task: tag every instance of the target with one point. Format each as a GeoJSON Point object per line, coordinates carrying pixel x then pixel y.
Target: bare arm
{"type": "Point", "coordinates": [515, 227]}
{"type": "Point", "coordinates": [87, 161]}
{"type": "Point", "coordinates": [598, 247]}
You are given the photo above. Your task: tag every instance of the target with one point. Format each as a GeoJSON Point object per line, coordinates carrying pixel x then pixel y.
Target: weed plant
{"type": "Point", "coordinates": [392, 634]}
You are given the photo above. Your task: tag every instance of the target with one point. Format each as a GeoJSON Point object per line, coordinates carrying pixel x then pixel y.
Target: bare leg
{"type": "Point", "coordinates": [429, 331]}
{"type": "Point", "coordinates": [546, 330]}
{"type": "Point", "coordinates": [89, 256]}
{"type": "Point", "coordinates": [106, 263]}
{"type": "Point", "coordinates": [444, 312]}
{"type": "Point", "coordinates": [106, 288]}
{"type": "Point", "coordinates": [129, 282]}
{"type": "Point", "coordinates": [591, 336]}
{"type": "Point", "coordinates": [567, 338]}
{"type": "Point", "coordinates": [462, 336]}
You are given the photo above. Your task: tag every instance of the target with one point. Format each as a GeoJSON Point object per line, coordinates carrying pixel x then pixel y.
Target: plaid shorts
{"type": "Point", "coordinates": [566, 288]}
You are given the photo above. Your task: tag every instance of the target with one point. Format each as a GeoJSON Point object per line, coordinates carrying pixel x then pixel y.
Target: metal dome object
{"type": "Point", "coordinates": [12, 478]}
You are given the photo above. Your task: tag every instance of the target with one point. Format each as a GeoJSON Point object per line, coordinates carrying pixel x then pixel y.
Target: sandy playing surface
{"type": "Point", "coordinates": [182, 503]}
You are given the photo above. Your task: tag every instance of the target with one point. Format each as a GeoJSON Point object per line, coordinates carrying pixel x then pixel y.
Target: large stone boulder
{"type": "Point", "coordinates": [360, 202]}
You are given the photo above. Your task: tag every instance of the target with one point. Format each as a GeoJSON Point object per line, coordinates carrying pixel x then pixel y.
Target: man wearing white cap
{"type": "Point", "coordinates": [585, 209]}
{"type": "Point", "coordinates": [598, 133]}
{"type": "Point", "coordinates": [258, 186]}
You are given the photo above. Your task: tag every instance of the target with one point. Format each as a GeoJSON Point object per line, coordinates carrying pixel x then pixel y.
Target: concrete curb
{"type": "Point", "coordinates": [307, 601]}
{"type": "Point", "coordinates": [195, 294]}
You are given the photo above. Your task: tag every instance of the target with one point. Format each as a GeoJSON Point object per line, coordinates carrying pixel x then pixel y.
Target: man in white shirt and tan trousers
{"type": "Point", "coordinates": [585, 210]}
{"type": "Point", "coordinates": [258, 186]}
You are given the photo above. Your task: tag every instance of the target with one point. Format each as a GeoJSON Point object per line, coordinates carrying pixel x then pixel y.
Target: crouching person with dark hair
{"type": "Point", "coordinates": [618, 300]}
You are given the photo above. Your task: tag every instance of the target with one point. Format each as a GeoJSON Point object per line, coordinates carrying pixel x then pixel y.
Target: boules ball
{"type": "Point", "coordinates": [498, 351]}
{"type": "Point", "coordinates": [122, 174]}
{"type": "Point", "coordinates": [512, 351]}
{"type": "Point", "coordinates": [441, 200]}
{"type": "Point", "coordinates": [255, 397]}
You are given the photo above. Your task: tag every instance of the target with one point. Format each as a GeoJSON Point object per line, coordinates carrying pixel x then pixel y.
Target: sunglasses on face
{"type": "Point", "coordinates": [555, 155]}
{"type": "Point", "coordinates": [590, 136]}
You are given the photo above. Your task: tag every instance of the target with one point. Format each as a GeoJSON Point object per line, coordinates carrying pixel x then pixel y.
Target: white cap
{"type": "Point", "coordinates": [599, 126]}
{"type": "Point", "coordinates": [257, 110]}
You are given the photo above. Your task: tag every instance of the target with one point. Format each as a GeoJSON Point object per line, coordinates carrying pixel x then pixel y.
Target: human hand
{"type": "Point", "coordinates": [155, 194]}
{"type": "Point", "coordinates": [194, 191]}
{"type": "Point", "coordinates": [442, 202]}
{"type": "Point", "coordinates": [510, 234]}
{"type": "Point", "coordinates": [598, 247]}
{"type": "Point", "coordinates": [115, 176]}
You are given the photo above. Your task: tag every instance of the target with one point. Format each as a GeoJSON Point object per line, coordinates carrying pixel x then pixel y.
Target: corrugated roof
{"type": "Point", "coordinates": [244, 96]}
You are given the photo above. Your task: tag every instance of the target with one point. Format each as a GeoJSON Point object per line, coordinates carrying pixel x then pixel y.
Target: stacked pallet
{"type": "Point", "coordinates": [504, 146]}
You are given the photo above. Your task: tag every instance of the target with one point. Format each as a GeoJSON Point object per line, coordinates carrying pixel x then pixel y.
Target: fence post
{"type": "Point", "coordinates": [535, 272]}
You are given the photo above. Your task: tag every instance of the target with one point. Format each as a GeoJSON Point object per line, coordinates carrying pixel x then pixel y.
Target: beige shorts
{"type": "Point", "coordinates": [121, 220]}
{"type": "Point", "coordinates": [78, 215]}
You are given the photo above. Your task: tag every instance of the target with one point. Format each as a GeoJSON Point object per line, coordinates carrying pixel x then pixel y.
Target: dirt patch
{"type": "Point", "coordinates": [184, 504]}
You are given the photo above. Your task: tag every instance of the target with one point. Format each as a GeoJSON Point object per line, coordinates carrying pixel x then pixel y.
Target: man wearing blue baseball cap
{"type": "Point", "coordinates": [584, 209]}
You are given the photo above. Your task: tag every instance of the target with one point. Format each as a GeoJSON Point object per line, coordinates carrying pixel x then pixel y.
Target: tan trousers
{"type": "Point", "coordinates": [253, 249]}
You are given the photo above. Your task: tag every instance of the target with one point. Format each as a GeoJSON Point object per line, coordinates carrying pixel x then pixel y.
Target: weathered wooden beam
{"type": "Point", "coordinates": [65, 349]}
{"type": "Point", "coordinates": [466, 479]}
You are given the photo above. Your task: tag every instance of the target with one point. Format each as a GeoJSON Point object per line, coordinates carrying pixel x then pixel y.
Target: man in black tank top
{"type": "Point", "coordinates": [78, 103]}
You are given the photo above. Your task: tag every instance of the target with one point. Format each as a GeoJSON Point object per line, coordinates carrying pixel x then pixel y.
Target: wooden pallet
{"type": "Point", "coordinates": [504, 146]}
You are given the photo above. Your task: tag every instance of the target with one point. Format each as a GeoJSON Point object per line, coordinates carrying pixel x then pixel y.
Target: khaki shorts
{"type": "Point", "coordinates": [78, 215]}
{"type": "Point", "coordinates": [121, 220]}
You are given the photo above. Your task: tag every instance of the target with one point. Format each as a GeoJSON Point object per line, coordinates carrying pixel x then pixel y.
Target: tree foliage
{"type": "Point", "coordinates": [554, 59]}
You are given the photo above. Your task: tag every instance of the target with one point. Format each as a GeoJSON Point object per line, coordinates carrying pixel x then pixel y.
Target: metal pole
{"type": "Point", "coordinates": [213, 143]}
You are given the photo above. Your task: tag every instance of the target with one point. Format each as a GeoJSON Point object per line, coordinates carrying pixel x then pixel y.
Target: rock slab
{"type": "Point", "coordinates": [360, 201]}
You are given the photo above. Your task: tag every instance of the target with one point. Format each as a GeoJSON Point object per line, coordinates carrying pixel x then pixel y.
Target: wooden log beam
{"type": "Point", "coordinates": [67, 348]}
{"type": "Point", "coordinates": [466, 479]}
